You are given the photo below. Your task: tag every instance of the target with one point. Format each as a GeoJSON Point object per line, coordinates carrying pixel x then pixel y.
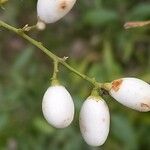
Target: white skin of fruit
{"type": "Point", "coordinates": [94, 121]}
{"type": "Point", "coordinates": [50, 11]}
{"type": "Point", "coordinates": [132, 92]}
{"type": "Point", "coordinates": [58, 106]}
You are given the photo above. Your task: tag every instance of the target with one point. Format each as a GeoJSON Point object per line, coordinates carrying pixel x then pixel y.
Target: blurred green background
{"type": "Point", "coordinates": [93, 37]}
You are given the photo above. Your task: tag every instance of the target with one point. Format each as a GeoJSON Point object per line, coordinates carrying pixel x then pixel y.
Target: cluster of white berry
{"type": "Point", "coordinates": [58, 106]}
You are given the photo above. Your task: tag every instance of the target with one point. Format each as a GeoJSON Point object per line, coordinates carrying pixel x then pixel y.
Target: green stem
{"type": "Point", "coordinates": [95, 92]}
{"type": "Point", "coordinates": [55, 72]}
{"type": "Point", "coordinates": [54, 57]}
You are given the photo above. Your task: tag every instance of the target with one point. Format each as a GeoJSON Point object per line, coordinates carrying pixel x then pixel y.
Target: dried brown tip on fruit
{"type": "Point", "coordinates": [136, 24]}
{"type": "Point", "coordinates": [116, 84]}
{"type": "Point", "coordinates": [145, 106]}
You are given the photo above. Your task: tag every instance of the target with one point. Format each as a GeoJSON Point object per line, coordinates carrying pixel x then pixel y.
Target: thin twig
{"type": "Point", "coordinates": [135, 24]}
{"type": "Point", "coordinates": [54, 57]}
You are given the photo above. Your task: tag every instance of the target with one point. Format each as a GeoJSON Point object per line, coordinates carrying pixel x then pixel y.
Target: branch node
{"type": "Point", "coordinates": [20, 31]}
{"type": "Point", "coordinates": [106, 86]}
{"type": "Point", "coordinates": [65, 58]}
{"type": "Point", "coordinates": [40, 43]}
{"type": "Point", "coordinates": [26, 28]}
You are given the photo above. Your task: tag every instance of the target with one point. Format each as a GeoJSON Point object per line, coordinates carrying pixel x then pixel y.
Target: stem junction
{"type": "Point", "coordinates": [54, 57]}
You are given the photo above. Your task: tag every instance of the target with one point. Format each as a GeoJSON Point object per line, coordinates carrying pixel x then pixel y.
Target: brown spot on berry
{"type": "Point", "coordinates": [145, 106]}
{"type": "Point", "coordinates": [116, 85]}
{"type": "Point", "coordinates": [63, 5]}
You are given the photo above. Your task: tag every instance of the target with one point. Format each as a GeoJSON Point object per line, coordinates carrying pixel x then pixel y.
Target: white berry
{"type": "Point", "coordinates": [58, 106]}
{"type": "Point", "coordinates": [50, 11]}
{"type": "Point", "coordinates": [132, 92]}
{"type": "Point", "coordinates": [94, 121]}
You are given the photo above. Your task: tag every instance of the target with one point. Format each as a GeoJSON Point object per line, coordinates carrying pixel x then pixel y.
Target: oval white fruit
{"type": "Point", "coordinates": [58, 106]}
{"type": "Point", "coordinates": [132, 92]}
{"type": "Point", "coordinates": [50, 11]}
{"type": "Point", "coordinates": [94, 121]}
